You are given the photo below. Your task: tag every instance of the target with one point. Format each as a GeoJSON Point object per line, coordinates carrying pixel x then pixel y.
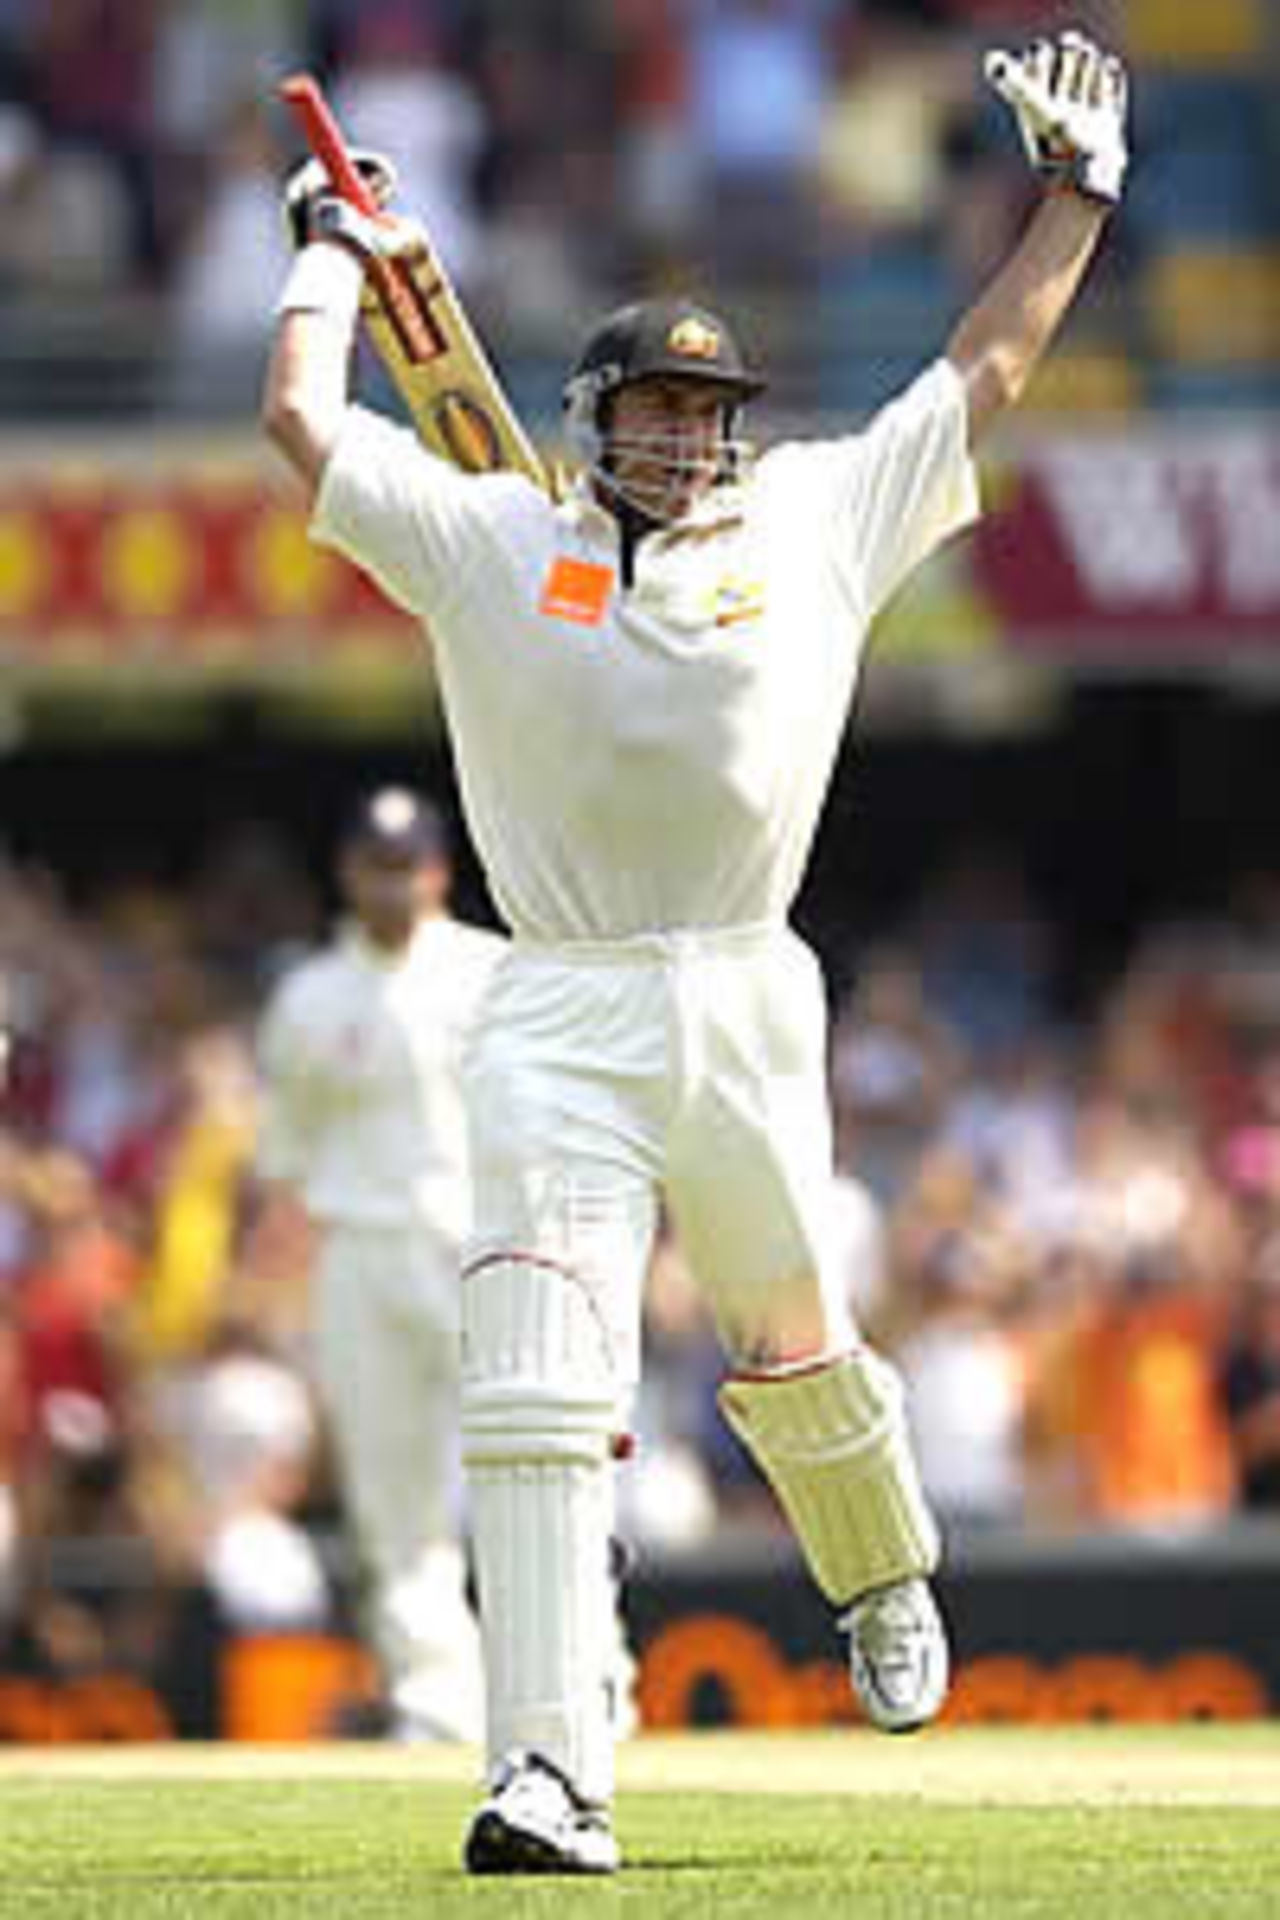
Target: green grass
{"type": "Point", "coordinates": [1070, 1823]}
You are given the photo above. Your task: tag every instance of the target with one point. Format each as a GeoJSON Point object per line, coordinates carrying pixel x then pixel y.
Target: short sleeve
{"type": "Point", "coordinates": [403, 515]}
{"type": "Point", "coordinates": [881, 500]}
{"type": "Point", "coordinates": [915, 484]}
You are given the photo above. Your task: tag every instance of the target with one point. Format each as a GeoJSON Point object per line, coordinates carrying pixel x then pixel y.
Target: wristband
{"type": "Point", "coordinates": [324, 279]}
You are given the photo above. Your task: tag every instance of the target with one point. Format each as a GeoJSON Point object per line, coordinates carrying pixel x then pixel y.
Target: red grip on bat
{"type": "Point", "coordinates": [324, 137]}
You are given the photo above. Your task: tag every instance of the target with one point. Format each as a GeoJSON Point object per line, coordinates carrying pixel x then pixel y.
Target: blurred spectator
{"type": "Point", "coordinates": [857, 1247]}
{"type": "Point", "coordinates": [985, 952]}
{"type": "Point", "coordinates": [228, 271]}
{"type": "Point", "coordinates": [205, 1157]}
{"type": "Point", "coordinates": [1250, 1385]}
{"type": "Point", "coordinates": [102, 1560]}
{"type": "Point", "coordinates": [1167, 1040]}
{"type": "Point", "coordinates": [212, 56]}
{"type": "Point", "coordinates": [11, 1396]}
{"type": "Point", "coordinates": [537, 273]}
{"type": "Point", "coordinates": [896, 91]}
{"type": "Point", "coordinates": [1013, 1117]}
{"type": "Point", "coordinates": [959, 1271]}
{"type": "Point", "coordinates": [1250, 1149]}
{"type": "Point", "coordinates": [19, 186]}
{"type": "Point", "coordinates": [965, 1380]}
{"type": "Point", "coordinates": [252, 908]}
{"type": "Point", "coordinates": [91, 69]}
{"type": "Point", "coordinates": [245, 1433]}
{"type": "Point", "coordinates": [72, 1289]}
{"type": "Point", "coordinates": [753, 140]}
{"type": "Point", "coordinates": [666, 1495]}
{"type": "Point", "coordinates": [892, 1065]}
{"type": "Point", "coordinates": [396, 92]}
{"type": "Point", "coordinates": [334, 26]}
{"type": "Point", "coordinates": [658, 191]}
{"type": "Point", "coordinates": [758, 82]}
{"type": "Point", "coordinates": [1135, 1383]}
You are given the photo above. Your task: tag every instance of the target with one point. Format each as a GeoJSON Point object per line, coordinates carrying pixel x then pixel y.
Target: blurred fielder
{"type": "Point", "coordinates": [646, 686]}
{"type": "Point", "coordinates": [363, 1122]}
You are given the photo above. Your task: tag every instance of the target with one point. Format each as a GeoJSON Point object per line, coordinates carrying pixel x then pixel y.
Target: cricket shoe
{"type": "Point", "coordinates": [898, 1655]}
{"type": "Point", "coordinates": [534, 1822]}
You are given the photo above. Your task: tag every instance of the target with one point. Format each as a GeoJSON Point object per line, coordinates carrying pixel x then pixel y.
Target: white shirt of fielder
{"type": "Point", "coordinates": [360, 1049]}
{"type": "Point", "coordinates": [363, 1118]}
{"type": "Point", "coordinates": [652, 759]}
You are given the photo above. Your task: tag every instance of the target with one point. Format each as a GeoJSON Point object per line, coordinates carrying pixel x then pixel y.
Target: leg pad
{"type": "Point", "coordinates": [832, 1441]}
{"type": "Point", "coordinates": [539, 1414]}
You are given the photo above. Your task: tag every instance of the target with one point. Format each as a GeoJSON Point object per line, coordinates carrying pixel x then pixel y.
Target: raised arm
{"type": "Point", "coordinates": [306, 390]}
{"type": "Point", "coordinates": [307, 382]}
{"type": "Point", "coordinates": [1070, 100]}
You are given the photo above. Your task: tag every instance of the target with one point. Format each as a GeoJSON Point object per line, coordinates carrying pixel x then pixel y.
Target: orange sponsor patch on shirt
{"type": "Point", "coordinates": [576, 590]}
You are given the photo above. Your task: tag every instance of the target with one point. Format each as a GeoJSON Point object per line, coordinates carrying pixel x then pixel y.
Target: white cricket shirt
{"type": "Point", "coordinates": [651, 759]}
{"type": "Point", "coordinates": [360, 1057]}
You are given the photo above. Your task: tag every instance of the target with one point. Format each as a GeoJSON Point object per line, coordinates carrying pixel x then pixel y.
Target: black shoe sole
{"type": "Point", "coordinates": [494, 1847]}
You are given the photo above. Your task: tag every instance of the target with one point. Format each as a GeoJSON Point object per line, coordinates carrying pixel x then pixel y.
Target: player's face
{"type": "Point", "coordinates": [389, 892]}
{"type": "Point", "coordinates": [666, 442]}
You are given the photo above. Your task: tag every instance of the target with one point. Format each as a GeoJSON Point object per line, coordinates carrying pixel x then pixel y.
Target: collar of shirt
{"type": "Point", "coordinates": [385, 959]}
{"type": "Point", "coordinates": [719, 508]}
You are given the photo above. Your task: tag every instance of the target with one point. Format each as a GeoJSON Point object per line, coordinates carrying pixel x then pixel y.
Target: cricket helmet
{"type": "Point", "coordinates": [651, 339]}
{"type": "Point", "coordinates": [655, 339]}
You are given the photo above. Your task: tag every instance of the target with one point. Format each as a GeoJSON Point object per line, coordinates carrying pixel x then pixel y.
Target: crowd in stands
{"type": "Point", "coordinates": [1064, 1225]}
{"type": "Point", "coordinates": [834, 169]}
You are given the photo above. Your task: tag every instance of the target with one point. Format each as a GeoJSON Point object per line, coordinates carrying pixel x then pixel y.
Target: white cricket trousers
{"type": "Point", "coordinates": [386, 1343]}
{"type": "Point", "coordinates": [687, 1070]}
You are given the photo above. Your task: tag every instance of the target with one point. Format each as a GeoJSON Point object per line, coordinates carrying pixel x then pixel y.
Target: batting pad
{"type": "Point", "coordinates": [539, 1413]}
{"type": "Point", "coordinates": [832, 1441]}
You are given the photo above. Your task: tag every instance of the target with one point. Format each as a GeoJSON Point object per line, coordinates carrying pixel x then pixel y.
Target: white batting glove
{"type": "Point", "coordinates": [1070, 100]}
{"type": "Point", "coordinates": [309, 184]}
{"type": "Point", "coordinates": [367, 236]}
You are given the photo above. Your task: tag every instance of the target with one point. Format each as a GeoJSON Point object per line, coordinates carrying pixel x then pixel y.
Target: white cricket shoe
{"type": "Point", "coordinates": [534, 1822]}
{"type": "Point", "coordinates": [898, 1655]}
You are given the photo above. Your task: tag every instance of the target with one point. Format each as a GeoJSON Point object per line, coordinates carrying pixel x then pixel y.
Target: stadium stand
{"type": "Point", "coordinates": [118, 175]}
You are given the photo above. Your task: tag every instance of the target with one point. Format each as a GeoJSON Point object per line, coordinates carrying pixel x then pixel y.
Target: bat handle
{"type": "Point", "coordinates": [407, 312]}
{"type": "Point", "coordinates": [324, 136]}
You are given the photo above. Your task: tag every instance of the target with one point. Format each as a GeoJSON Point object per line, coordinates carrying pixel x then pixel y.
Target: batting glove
{"type": "Point", "coordinates": [1070, 101]}
{"type": "Point", "coordinates": [309, 185]}
{"type": "Point", "coordinates": [368, 236]}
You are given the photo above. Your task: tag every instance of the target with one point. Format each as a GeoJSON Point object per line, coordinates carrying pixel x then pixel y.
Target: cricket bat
{"type": "Point", "coordinates": [419, 327]}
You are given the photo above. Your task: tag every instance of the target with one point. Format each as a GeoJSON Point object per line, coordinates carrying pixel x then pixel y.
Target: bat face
{"type": "Point", "coordinates": [445, 377]}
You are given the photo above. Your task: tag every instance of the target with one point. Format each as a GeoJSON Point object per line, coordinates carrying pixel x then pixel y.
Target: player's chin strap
{"type": "Point", "coordinates": [634, 510]}
{"type": "Point", "coordinates": [633, 525]}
